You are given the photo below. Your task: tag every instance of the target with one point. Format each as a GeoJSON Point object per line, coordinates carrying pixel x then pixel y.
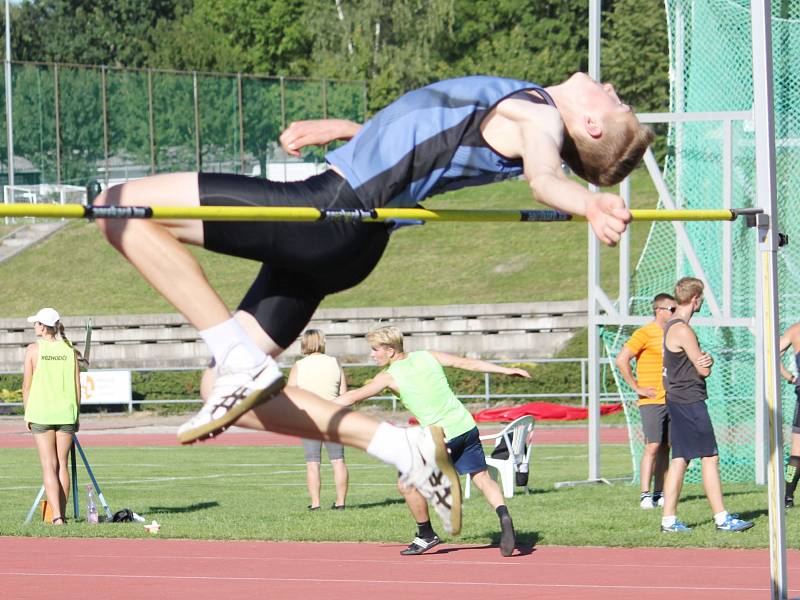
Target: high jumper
{"type": "Point", "coordinates": [450, 134]}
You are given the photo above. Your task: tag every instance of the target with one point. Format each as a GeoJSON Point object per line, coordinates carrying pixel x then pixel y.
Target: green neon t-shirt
{"type": "Point", "coordinates": [425, 392]}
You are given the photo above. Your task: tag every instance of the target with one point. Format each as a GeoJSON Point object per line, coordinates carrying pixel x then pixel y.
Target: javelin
{"type": "Point", "coordinates": [308, 214]}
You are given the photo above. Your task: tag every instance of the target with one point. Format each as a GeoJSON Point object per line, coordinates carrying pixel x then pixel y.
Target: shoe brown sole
{"type": "Point", "coordinates": [508, 540]}
{"type": "Point", "coordinates": [445, 464]}
{"type": "Point", "coordinates": [217, 426]}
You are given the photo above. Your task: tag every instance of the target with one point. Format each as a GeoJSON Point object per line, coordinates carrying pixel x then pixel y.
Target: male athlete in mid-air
{"type": "Point", "coordinates": [450, 134]}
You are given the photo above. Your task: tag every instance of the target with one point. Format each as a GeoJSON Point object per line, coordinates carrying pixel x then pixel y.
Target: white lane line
{"type": "Point", "coordinates": [415, 581]}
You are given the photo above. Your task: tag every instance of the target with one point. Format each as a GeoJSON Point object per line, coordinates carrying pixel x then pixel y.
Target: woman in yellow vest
{"type": "Point", "coordinates": [51, 395]}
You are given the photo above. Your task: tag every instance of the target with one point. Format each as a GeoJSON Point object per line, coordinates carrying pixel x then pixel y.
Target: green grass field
{"type": "Point", "coordinates": [258, 493]}
{"type": "Point", "coordinates": [444, 263]}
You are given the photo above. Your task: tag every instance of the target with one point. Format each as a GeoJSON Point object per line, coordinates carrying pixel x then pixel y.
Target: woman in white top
{"type": "Point", "coordinates": [321, 374]}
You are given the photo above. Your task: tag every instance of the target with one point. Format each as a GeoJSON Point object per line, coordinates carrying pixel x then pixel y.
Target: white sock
{"type": "Point", "coordinates": [390, 445]}
{"type": "Point", "coordinates": [720, 517]}
{"type": "Point", "coordinates": [668, 521]}
{"type": "Point", "coordinates": [231, 346]}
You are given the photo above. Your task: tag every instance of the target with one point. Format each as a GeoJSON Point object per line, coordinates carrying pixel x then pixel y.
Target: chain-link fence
{"type": "Point", "coordinates": [73, 123]}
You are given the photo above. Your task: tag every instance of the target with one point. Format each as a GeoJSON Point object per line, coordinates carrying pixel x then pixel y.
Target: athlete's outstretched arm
{"type": "Point", "coordinates": [380, 382]}
{"type": "Point", "coordinates": [316, 132]}
{"type": "Point", "coordinates": [535, 133]}
{"type": "Point", "coordinates": [478, 366]}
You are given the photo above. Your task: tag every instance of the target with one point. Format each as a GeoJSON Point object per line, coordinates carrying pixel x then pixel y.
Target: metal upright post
{"type": "Point", "coordinates": [89, 471]}
{"type": "Point", "coordinates": [625, 256]}
{"type": "Point", "coordinates": [73, 461]}
{"type": "Point", "coordinates": [768, 320]}
{"type": "Point", "coordinates": [198, 155]}
{"type": "Point", "coordinates": [594, 278]}
{"type": "Point", "coordinates": [57, 99]}
{"type": "Point", "coordinates": [104, 97]}
{"type": "Point", "coordinates": [151, 125]}
{"type": "Point", "coordinates": [240, 98]}
{"type": "Point", "coordinates": [9, 105]}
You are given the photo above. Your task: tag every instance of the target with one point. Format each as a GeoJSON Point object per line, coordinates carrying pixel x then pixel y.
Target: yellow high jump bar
{"type": "Point", "coordinates": [307, 214]}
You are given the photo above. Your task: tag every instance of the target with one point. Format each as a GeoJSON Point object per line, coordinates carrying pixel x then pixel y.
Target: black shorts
{"type": "Point", "coordinates": [796, 421]}
{"type": "Point", "coordinates": [302, 262]}
{"type": "Point", "coordinates": [691, 433]}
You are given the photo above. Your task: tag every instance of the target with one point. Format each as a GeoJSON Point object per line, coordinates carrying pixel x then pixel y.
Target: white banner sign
{"type": "Point", "coordinates": [106, 387]}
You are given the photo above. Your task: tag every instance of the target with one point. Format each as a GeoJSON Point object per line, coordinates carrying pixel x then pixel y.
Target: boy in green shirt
{"type": "Point", "coordinates": [419, 380]}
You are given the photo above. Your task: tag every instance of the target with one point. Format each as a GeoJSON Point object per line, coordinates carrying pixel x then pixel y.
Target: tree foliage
{"type": "Point", "coordinates": [395, 45]}
{"type": "Point", "coordinates": [635, 57]}
{"type": "Point", "coordinates": [110, 32]}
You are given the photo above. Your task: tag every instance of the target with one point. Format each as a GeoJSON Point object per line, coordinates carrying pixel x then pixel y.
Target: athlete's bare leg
{"type": "Point", "coordinates": [156, 248]}
{"type": "Point", "coordinates": [296, 411]}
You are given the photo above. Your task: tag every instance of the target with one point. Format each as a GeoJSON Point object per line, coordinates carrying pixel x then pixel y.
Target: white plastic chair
{"type": "Point", "coordinates": [514, 434]}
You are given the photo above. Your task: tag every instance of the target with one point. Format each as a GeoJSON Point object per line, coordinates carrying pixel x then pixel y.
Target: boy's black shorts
{"type": "Point", "coordinates": [301, 262]}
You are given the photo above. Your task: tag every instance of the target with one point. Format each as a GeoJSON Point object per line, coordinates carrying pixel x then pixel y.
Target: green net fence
{"type": "Point", "coordinates": [711, 70]}
{"type": "Point", "coordinates": [72, 124]}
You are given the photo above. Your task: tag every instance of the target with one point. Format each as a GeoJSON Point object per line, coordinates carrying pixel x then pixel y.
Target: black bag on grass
{"type": "Point", "coordinates": [123, 516]}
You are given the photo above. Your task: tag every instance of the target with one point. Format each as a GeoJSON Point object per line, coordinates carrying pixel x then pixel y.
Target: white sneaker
{"type": "Point", "coordinates": [433, 475]}
{"type": "Point", "coordinates": [233, 394]}
{"type": "Point", "coordinates": [660, 502]}
{"type": "Point", "coordinates": [647, 503]}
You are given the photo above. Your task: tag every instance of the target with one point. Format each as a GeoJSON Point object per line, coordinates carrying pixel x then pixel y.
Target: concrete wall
{"type": "Point", "coordinates": [533, 330]}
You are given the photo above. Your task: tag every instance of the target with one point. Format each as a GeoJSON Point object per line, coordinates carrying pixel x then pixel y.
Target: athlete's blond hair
{"type": "Point", "coordinates": [386, 336]}
{"type": "Point", "coordinates": [687, 288]}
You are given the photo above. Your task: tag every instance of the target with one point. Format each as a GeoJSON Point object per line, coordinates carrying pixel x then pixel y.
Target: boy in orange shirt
{"type": "Point", "coordinates": [645, 345]}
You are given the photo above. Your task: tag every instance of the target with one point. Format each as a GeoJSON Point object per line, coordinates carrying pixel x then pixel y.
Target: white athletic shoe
{"type": "Point", "coordinates": [233, 394]}
{"type": "Point", "coordinates": [647, 502]}
{"type": "Point", "coordinates": [433, 475]}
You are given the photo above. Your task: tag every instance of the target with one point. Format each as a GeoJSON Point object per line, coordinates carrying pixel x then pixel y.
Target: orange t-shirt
{"type": "Point", "coordinates": [647, 345]}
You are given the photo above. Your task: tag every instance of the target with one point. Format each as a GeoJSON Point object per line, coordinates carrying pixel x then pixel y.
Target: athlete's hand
{"type": "Point", "coordinates": [645, 392]}
{"type": "Point", "coordinates": [514, 372]}
{"type": "Point", "coordinates": [316, 132]}
{"type": "Point", "coordinates": [608, 216]}
{"type": "Point", "coordinates": [705, 360]}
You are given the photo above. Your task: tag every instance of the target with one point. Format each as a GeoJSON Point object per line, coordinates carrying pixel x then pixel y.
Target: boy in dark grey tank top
{"type": "Point", "coordinates": [686, 367]}
{"type": "Point", "coordinates": [791, 339]}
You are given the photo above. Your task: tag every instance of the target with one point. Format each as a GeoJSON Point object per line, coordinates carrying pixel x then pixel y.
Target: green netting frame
{"type": "Point", "coordinates": [711, 63]}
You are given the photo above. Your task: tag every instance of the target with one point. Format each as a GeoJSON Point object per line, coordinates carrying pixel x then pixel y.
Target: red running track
{"type": "Point", "coordinates": [124, 569]}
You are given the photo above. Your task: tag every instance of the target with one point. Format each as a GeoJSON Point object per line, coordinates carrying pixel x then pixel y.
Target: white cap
{"type": "Point", "coordinates": [46, 316]}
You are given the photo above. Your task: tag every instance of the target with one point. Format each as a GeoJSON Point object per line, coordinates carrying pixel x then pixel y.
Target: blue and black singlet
{"type": "Point", "coordinates": [425, 143]}
{"type": "Point", "coordinates": [429, 141]}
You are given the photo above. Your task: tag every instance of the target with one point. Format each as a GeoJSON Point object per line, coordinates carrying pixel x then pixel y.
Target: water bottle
{"type": "Point", "coordinates": [92, 515]}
